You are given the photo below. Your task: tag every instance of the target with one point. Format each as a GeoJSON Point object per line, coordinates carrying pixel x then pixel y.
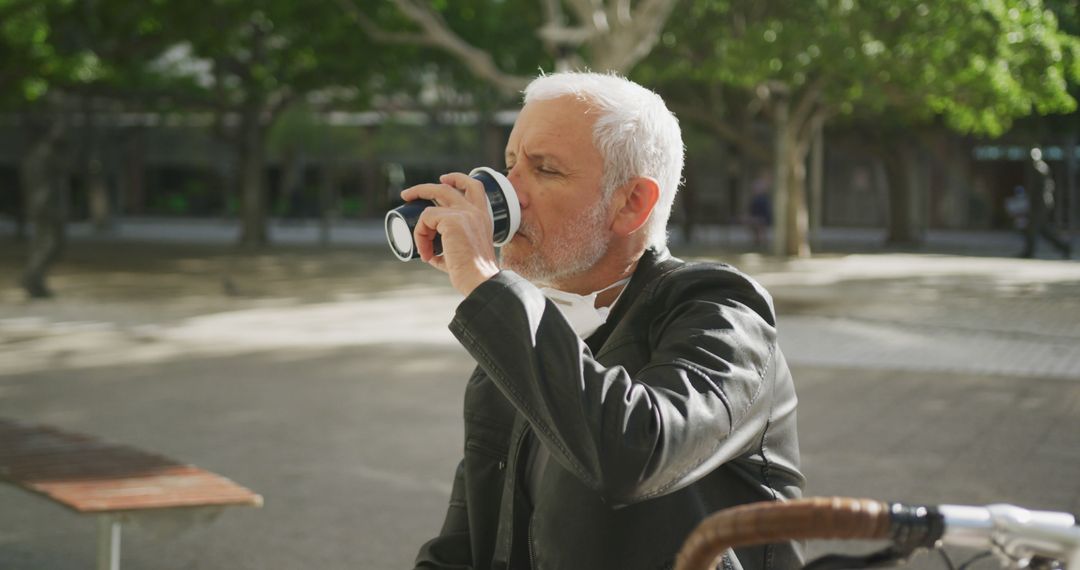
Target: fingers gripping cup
{"type": "Point", "coordinates": [502, 205]}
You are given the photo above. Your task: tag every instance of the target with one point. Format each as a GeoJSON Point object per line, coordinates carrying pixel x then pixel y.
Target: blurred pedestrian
{"type": "Point", "coordinates": [759, 217]}
{"type": "Point", "coordinates": [1040, 200]}
{"type": "Point", "coordinates": [1018, 209]}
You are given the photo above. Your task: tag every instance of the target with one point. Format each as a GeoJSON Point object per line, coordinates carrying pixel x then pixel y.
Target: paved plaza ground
{"type": "Point", "coordinates": [326, 380]}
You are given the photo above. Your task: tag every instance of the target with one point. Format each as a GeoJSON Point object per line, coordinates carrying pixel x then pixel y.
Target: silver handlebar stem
{"type": "Point", "coordinates": [1014, 533]}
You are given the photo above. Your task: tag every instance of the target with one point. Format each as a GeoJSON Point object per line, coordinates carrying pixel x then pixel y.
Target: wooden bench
{"type": "Point", "coordinates": [117, 484]}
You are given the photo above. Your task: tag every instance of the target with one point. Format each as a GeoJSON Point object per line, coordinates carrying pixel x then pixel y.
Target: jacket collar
{"type": "Point", "coordinates": [651, 266]}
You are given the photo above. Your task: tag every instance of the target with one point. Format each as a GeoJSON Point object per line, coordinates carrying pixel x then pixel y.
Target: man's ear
{"type": "Point", "coordinates": [634, 201]}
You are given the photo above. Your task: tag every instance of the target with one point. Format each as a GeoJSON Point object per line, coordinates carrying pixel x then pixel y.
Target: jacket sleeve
{"type": "Point", "coordinates": [451, 549]}
{"type": "Point", "coordinates": [694, 405]}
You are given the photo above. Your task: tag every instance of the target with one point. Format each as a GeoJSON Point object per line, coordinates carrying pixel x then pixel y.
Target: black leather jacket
{"type": "Point", "coordinates": [680, 405]}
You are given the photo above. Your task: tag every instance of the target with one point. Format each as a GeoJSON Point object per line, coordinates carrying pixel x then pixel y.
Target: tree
{"type": "Point", "coordinates": [1060, 128]}
{"type": "Point", "coordinates": [58, 57]}
{"type": "Point", "coordinates": [493, 39]}
{"type": "Point", "coordinates": [35, 69]}
{"type": "Point", "coordinates": [256, 60]}
{"type": "Point", "coordinates": [974, 65]}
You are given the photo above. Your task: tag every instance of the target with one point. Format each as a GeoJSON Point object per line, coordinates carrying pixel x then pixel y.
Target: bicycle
{"type": "Point", "coordinates": [1020, 538]}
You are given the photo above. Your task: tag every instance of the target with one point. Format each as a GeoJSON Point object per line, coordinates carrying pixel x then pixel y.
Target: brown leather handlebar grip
{"type": "Point", "coordinates": [769, 522]}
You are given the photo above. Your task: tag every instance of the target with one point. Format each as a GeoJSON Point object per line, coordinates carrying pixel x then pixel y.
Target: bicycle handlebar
{"type": "Point", "coordinates": [1014, 533]}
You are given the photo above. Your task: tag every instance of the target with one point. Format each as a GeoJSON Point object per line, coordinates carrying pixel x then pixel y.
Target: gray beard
{"type": "Point", "coordinates": [579, 247]}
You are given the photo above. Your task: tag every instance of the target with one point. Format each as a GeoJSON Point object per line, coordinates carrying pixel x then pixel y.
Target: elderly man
{"type": "Point", "coordinates": [621, 395]}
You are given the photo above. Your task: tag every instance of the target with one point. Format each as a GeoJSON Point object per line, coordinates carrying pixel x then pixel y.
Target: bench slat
{"type": "Point", "coordinates": [91, 476]}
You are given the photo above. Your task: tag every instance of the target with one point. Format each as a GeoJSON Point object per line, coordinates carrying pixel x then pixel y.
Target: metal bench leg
{"type": "Point", "coordinates": [108, 543]}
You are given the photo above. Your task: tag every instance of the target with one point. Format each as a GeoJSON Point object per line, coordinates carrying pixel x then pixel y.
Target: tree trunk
{"type": "Point", "coordinates": [93, 169]}
{"type": "Point", "coordinates": [790, 216]}
{"type": "Point", "coordinates": [225, 177]}
{"type": "Point", "coordinates": [98, 193]}
{"type": "Point", "coordinates": [134, 172]}
{"type": "Point", "coordinates": [781, 188]}
{"type": "Point", "coordinates": [293, 165]}
{"type": "Point", "coordinates": [43, 185]}
{"type": "Point", "coordinates": [1072, 189]}
{"type": "Point", "coordinates": [903, 223]}
{"type": "Point", "coordinates": [796, 218]}
{"type": "Point", "coordinates": [328, 202]}
{"type": "Point", "coordinates": [742, 172]}
{"type": "Point", "coordinates": [253, 218]}
{"type": "Point", "coordinates": [817, 186]}
{"type": "Point", "coordinates": [22, 213]}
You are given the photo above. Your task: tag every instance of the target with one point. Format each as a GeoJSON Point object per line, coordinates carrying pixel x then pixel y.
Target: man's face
{"type": "Point", "coordinates": [557, 172]}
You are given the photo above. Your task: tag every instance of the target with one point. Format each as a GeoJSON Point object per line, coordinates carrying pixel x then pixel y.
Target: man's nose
{"type": "Point", "coordinates": [520, 186]}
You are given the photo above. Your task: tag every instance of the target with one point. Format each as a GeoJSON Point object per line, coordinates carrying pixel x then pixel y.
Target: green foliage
{"type": "Point", "coordinates": [73, 48]}
{"type": "Point", "coordinates": [977, 64]}
{"type": "Point", "coordinates": [247, 52]}
{"type": "Point", "coordinates": [213, 54]}
{"type": "Point", "coordinates": [351, 205]}
{"type": "Point", "coordinates": [33, 56]}
{"type": "Point", "coordinates": [504, 29]}
{"type": "Point", "coordinates": [301, 128]}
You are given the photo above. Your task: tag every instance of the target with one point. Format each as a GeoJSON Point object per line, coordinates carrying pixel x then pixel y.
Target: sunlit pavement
{"type": "Point", "coordinates": [326, 380]}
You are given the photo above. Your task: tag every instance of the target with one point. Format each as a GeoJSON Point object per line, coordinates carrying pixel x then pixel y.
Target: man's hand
{"type": "Point", "coordinates": [461, 216]}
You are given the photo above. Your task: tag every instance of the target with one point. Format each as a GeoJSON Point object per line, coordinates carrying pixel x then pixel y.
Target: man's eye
{"type": "Point", "coordinates": [546, 170]}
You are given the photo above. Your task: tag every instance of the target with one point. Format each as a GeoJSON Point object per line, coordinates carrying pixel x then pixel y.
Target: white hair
{"type": "Point", "coordinates": [635, 133]}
